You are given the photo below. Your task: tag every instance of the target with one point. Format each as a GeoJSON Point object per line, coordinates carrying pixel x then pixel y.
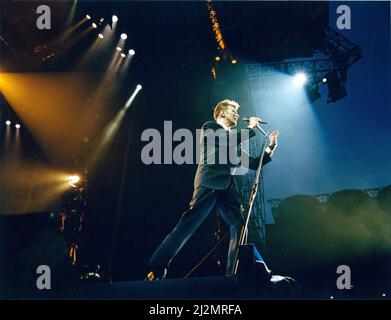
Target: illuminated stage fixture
{"type": "Point", "coordinates": [88, 17]}
{"type": "Point", "coordinates": [8, 123]}
{"type": "Point", "coordinates": [324, 80]}
{"type": "Point", "coordinates": [118, 49]}
{"type": "Point", "coordinates": [94, 25]}
{"type": "Point", "coordinates": [124, 36]}
{"type": "Point", "coordinates": [123, 55]}
{"type": "Point", "coordinates": [17, 126]}
{"type": "Point", "coordinates": [114, 18]}
{"type": "Point", "coordinates": [217, 58]}
{"type": "Point", "coordinates": [234, 61]}
{"type": "Point", "coordinates": [73, 180]}
{"type": "Point", "coordinates": [100, 35]}
{"type": "Point", "coordinates": [101, 20]}
{"type": "Point", "coordinates": [134, 94]}
{"type": "Point", "coordinates": [132, 52]}
{"type": "Point", "coordinates": [300, 79]}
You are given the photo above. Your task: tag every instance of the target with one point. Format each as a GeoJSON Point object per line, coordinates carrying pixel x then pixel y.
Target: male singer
{"type": "Point", "coordinates": [214, 186]}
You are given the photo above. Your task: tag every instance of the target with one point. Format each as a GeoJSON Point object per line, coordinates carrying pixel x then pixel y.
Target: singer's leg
{"type": "Point", "coordinates": [202, 203]}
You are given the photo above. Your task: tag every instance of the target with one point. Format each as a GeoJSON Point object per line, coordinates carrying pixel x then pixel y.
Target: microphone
{"type": "Point", "coordinates": [247, 120]}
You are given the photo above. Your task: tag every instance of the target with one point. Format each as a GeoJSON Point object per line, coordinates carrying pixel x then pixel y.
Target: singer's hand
{"type": "Point", "coordinates": [253, 122]}
{"type": "Point", "coordinates": [273, 138]}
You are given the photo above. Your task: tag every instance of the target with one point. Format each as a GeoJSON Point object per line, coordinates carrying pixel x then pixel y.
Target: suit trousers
{"type": "Point", "coordinates": [203, 202]}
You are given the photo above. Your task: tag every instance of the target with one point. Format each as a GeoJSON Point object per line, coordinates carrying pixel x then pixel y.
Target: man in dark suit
{"type": "Point", "coordinates": [214, 185]}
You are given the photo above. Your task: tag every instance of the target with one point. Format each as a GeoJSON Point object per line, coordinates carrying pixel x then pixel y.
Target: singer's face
{"type": "Point", "coordinates": [232, 116]}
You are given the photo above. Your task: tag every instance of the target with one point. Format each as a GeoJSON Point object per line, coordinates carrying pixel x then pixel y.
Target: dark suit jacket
{"type": "Point", "coordinates": [217, 175]}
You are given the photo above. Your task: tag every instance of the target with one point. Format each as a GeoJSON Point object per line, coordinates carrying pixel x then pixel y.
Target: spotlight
{"type": "Point", "coordinates": [88, 17]}
{"type": "Point", "coordinates": [324, 80]}
{"type": "Point", "coordinates": [94, 25]}
{"type": "Point", "coordinates": [234, 61]}
{"type": "Point", "coordinates": [101, 20]}
{"type": "Point", "coordinates": [17, 126]}
{"type": "Point", "coordinates": [124, 36]}
{"type": "Point", "coordinates": [300, 78]}
{"type": "Point", "coordinates": [139, 87]}
{"type": "Point", "coordinates": [73, 180]}
{"type": "Point", "coordinates": [8, 123]}
{"type": "Point", "coordinates": [123, 55]}
{"type": "Point", "coordinates": [100, 35]}
{"type": "Point", "coordinates": [132, 52]}
{"type": "Point", "coordinates": [114, 18]}
{"type": "Point", "coordinates": [118, 49]}
{"type": "Point", "coordinates": [217, 58]}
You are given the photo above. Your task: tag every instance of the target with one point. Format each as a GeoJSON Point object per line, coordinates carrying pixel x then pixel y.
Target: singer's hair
{"type": "Point", "coordinates": [223, 106]}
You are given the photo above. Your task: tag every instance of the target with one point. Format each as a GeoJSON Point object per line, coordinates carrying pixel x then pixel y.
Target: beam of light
{"type": "Point", "coordinates": [300, 79]}
{"type": "Point", "coordinates": [124, 36]}
{"type": "Point", "coordinates": [73, 41]}
{"type": "Point", "coordinates": [55, 98]}
{"type": "Point", "coordinates": [31, 187]}
{"type": "Point", "coordinates": [71, 14]}
{"type": "Point", "coordinates": [68, 32]}
{"type": "Point", "coordinates": [112, 127]}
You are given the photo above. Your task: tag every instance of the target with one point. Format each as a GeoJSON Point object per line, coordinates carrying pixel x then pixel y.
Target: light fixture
{"type": "Point", "coordinates": [139, 87]}
{"type": "Point", "coordinates": [300, 78]}
{"type": "Point", "coordinates": [118, 49]}
{"type": "Point", "coordinates": [8, 123]}
{"type": "Point", "coordinates": [94, 25]}
{"type": "Point", "coordinates": [124, 36]}
{"type": "Point", "coordinates": [100, 35]}
{"type": "Point", "coordinates": [73, 180]}
{"type": "Point", "coordinates": [123, 55]}
{"type": "Point", "coordinates": [132, 52]}
{"type": "Point", "coordinates": [217, 58]}
{"type": "Point", "coordinates": [17, 126]}
{"type": "Point", "coordinates": [88, 17]}
{"type": "Point", "coordinates": [234, 61]}
{"type": "Point", "coordinates": [114, 18]}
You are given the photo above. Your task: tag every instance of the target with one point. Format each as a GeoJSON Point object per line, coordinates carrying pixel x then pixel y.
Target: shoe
{"type": "Point", "coordinates": [153, 276]}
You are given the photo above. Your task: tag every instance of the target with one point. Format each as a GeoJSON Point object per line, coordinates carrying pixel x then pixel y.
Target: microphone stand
{"type": "Point", "coordinates": [254, 190]}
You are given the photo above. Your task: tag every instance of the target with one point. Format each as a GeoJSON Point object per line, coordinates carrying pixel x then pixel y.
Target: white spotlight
{"type": "Point", "coordinates": [132, 52]}
{"type": "Point", "coordinates": [94, 25]}
{"type": "Point", "coordinates": [17, 126]}
{"type": "Point", "coordinates": [324, 80]}
{"type": "Point", "coordinates": [114, 18]}
{"type": "Point", "coordinates": [124, 36]}
{"type": "Point", "coordinates": [123, 55]}
{"type": "Point", "coordinates": [139, 87]}
{"type": "Point", "coordinates": [300, 79]}
{"type": "Point", "coordinates": [100, 35]}
{"type": "Point", "coordinates": [8, 123]}
{"type": "Point", "coordinates": [88, 17]}
{"type": "Point", "coordinates": [118, 49]}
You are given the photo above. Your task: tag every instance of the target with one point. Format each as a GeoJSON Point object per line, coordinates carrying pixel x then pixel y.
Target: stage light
{"type": "Point", "coordinates": [88, 17]}
{"type": "Point", "coordinates": [234, 61]}
{"type": "Point", "coordinates": [73, 180]}
{"type": "Point", "coordinates": [101, 20]}
{"type": "Point", "coordinates": [123, 55]}
{"type": "Point", "coordinates": [300, 79]}
{"type": "Point", "coordinates": [114, 18]}
{"type": "Point", "coordinates": [8, 123]}
{"type": "Point", "coordinates": [217, 58]}
{"type": "Point", "coordinates": [324, 80]}
{"type": "Point", "coordinates": [132, 52]}
{"type": "Point", "coordinates": [139, 87]}
{"type": "Point", "coordinates": [118, 49]}
{"type": "Point", "coordinates": [100, 35]}
{"type": "Point", "coordinates": [94, 25]}
{"type": "Point", "coordinates": [17, 126]}
{"type": "Point", "coordinates": [124, 36]}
